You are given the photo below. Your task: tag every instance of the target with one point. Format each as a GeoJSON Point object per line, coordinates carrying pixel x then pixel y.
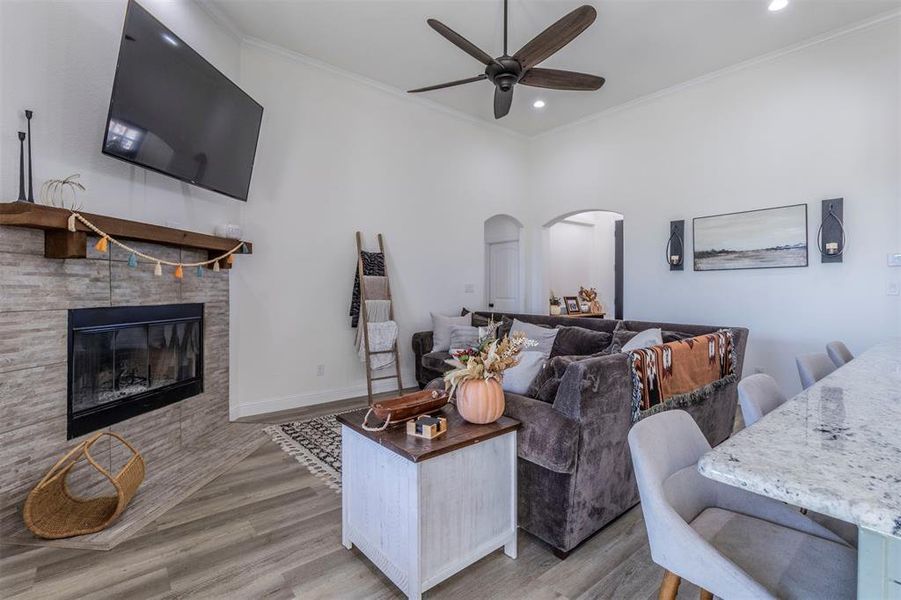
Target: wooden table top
{"type": "Point", "coordinates": [459, 434]}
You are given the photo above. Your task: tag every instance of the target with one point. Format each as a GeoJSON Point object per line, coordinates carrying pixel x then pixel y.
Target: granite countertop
{"type": "Point", "coordinates": [835, 448]}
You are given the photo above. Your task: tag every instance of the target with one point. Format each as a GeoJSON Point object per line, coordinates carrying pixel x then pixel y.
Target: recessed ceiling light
{"type": "Point", "coordinates": [538, 104]}
{"type": "Point", "coordinates": [778, 5]}
{"type": "Point", "coordinates": [169, 39]}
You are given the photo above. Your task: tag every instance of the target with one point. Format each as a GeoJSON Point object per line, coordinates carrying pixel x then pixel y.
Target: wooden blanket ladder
{"type": "Point", "coordinates": [364, 321]}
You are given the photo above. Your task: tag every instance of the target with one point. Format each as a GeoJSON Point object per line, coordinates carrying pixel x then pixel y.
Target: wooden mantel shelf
{"type": "Point", "coordinates": [59, 242]}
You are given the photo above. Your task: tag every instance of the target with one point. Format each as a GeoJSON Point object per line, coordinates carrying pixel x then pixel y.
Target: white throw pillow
{"type": "Point", "coordinates": [644, 339]}
{"type": "Point", "coordinates": [544, 336]}
{"type": "Point", "coordinates": [517, 379]}
{"type": "Point", "coordinates": [441, 330]}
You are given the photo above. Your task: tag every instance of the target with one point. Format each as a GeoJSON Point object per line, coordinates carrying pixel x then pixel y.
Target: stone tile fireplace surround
{"type": "Point", "coordinates": [184, 444]}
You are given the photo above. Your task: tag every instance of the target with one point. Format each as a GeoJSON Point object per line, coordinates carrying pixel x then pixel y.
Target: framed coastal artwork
{"type": "Point", "coordinates": [768, 238]}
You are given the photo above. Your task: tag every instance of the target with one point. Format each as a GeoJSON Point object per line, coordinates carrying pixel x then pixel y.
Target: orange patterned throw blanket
{"type": "Point", "coordinates": [690, 367]}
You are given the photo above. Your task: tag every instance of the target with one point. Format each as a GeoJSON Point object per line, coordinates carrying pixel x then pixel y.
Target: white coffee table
{"type": "Point", "coordinates": [422, 510]}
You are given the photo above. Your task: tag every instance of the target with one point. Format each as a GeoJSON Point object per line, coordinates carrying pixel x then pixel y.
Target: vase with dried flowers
{"type": "Point", "coordinates": [475, 381]}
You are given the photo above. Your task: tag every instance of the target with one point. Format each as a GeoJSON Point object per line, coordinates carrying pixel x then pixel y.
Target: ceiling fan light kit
{"type": "Point", "coordinates": [506, 71]}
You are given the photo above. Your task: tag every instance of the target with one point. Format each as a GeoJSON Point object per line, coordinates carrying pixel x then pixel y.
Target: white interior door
{"type": "Point", "coordinates": [503, 276]}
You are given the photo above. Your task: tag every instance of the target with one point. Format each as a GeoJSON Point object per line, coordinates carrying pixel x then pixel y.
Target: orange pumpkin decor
{"type": "Point", "coordinates": [480, 401]}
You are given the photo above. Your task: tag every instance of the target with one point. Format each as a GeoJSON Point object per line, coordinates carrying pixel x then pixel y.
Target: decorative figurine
{"type": "Point", "coordinates": [54, 192]}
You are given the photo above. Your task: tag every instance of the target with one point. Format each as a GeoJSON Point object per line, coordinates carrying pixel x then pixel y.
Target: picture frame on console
{"type": "Point", "coordinates": [572, 305]}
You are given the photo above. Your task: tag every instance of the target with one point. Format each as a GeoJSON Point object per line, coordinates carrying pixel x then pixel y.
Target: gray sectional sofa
{"type": "Point", "coordinates": [575, 471]}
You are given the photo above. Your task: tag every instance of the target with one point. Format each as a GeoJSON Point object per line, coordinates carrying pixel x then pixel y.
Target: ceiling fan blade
{"type": "Point", "coordinates": [502, 102]}
{"type": "Point", "coordinates": [449, 84]}
{"type": "Point", "coordinates": [555, 79]}
{"type": "Point", "coordinates": [460, 42]}
{"type": "Point", "coordinates": [556, 36]}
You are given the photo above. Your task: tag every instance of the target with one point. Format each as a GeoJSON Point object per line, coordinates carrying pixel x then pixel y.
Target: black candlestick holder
{"type": "Point", "coordinates": [28, 115]}
{"type": "Point", "coordinates": [21, 166]}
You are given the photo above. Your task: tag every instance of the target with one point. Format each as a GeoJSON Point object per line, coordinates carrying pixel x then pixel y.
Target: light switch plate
{"type": "Point", "coordinates": [894, 259]}
{"type": "Point", "coordinates": [893, 289]}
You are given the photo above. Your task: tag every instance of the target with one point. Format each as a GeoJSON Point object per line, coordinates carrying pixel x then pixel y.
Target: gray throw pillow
{"type": "Point", "coordinates": [463, 337]}
{"type": "Point", "coordinates": [544, 336]}
{"type": "Point", "coordinates": [518, 378]}
{"type": "Point", "coordinates": [644, 339]}
{"type": "Point", "coordinates": [441, 325]}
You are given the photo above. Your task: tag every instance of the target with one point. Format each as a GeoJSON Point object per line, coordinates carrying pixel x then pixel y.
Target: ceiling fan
{"type": "Point", "coordinates": [506, 71]}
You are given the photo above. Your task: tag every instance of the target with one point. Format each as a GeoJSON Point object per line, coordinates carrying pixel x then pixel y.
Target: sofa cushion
{"type": "Point", "coordinates": [436, 361]}
{"type": "Point", "coordinates": [544, 386]}
{"type": "Point", "coordinates": [579, 341]}
{"type": "Point", "coordinates": [547, 437]}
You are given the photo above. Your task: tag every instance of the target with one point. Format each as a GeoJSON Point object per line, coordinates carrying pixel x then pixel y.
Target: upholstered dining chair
{"type": "Point", "coordinates": [813, 367]}
{"type": "Point", "coordinates": [727, 541]}
{"type": "Point", "coordinates": [758, 395]}
{"type": "Point", "coordinates": [839, 353]}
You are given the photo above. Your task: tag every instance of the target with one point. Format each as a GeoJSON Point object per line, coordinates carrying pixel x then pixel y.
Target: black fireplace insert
{"type": "Point", "coordinates": [129, 360]}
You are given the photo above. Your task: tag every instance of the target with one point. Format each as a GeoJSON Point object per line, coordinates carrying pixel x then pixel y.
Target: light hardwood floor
{"type": "Point", "coordinates": [269, 529]}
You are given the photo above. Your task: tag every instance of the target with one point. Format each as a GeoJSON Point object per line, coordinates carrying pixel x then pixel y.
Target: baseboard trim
{"type": "Point", "coordinates": [304, 399]}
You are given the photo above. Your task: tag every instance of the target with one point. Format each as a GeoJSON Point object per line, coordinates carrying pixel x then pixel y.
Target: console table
{"type": "Point", "coordinates": [422, 510]}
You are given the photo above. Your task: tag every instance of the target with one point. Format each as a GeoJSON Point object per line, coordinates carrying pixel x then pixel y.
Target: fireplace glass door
{"type": "Point", "coordinates": [130, 360]}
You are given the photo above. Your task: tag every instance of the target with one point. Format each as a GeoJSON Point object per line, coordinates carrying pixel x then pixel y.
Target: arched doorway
{"type": "Point", "coordinates": [503, 264]}
{"type": "Point", "coordinates": [584, 249]}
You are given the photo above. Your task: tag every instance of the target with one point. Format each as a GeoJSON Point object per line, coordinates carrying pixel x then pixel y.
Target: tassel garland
{"type": "Point", "coordinates": [105, 240]}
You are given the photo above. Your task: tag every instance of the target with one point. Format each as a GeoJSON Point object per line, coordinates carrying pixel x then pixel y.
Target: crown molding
{"type": "Point", "coordinates": [221, 19]}
{"type": "Point", "coordinates": [741, 66]}
{"type": "Point", "coordinates": [382, 87]}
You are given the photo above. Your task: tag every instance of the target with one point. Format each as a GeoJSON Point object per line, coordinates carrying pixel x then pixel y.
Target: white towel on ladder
{"type": "Point", "coordinates": [382, 334]}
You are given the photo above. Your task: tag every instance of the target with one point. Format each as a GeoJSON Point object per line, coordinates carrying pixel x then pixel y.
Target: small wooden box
{"type": "Point", "coordinates": [426, 427]}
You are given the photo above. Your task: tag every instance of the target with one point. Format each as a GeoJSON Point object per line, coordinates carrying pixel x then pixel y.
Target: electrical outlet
{"type": "Point", "coordinates": [892, 289]}
{"type": "Point", "coordinates": [320, 370]}
{"type": "Point", "coordinates": [469, 288]}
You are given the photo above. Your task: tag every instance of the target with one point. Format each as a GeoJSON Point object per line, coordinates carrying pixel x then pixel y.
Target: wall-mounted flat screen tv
{"type": "Point", "coordinates": [173, 112]}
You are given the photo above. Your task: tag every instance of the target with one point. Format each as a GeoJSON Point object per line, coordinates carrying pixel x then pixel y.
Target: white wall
{"type": "Point", "coordinates": [581, 253]}
{"type": "Point", "coordinates": [336, 156]}
{"type": "Point", "coordinates": [59, 59]}
{"type": "Point", "coordinates": [817, 123]}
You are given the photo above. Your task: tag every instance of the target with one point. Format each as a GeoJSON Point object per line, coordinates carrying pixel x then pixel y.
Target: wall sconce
{"type": "Point", "coordinates": [675, 246]}
{"type": "Point", "coordinates": [831, 238]}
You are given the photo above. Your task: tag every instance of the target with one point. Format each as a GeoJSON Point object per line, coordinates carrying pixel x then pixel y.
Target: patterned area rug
{"type": "Point", "coordinates": [315, 443]}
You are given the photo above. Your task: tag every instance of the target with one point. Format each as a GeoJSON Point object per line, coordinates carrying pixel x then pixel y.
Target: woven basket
{"type": "Point", "coordinates": [52, 512]}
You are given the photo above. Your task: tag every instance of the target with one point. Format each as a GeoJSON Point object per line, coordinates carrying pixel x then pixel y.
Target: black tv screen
{"type": "Point", "coordinates": [171, 111]}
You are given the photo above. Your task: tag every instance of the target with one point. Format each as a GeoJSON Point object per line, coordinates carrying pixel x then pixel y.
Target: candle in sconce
{"type": "Point", "coordinates": [674, 260]}
{"type": "Point", "coordinates": [831, 247]}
